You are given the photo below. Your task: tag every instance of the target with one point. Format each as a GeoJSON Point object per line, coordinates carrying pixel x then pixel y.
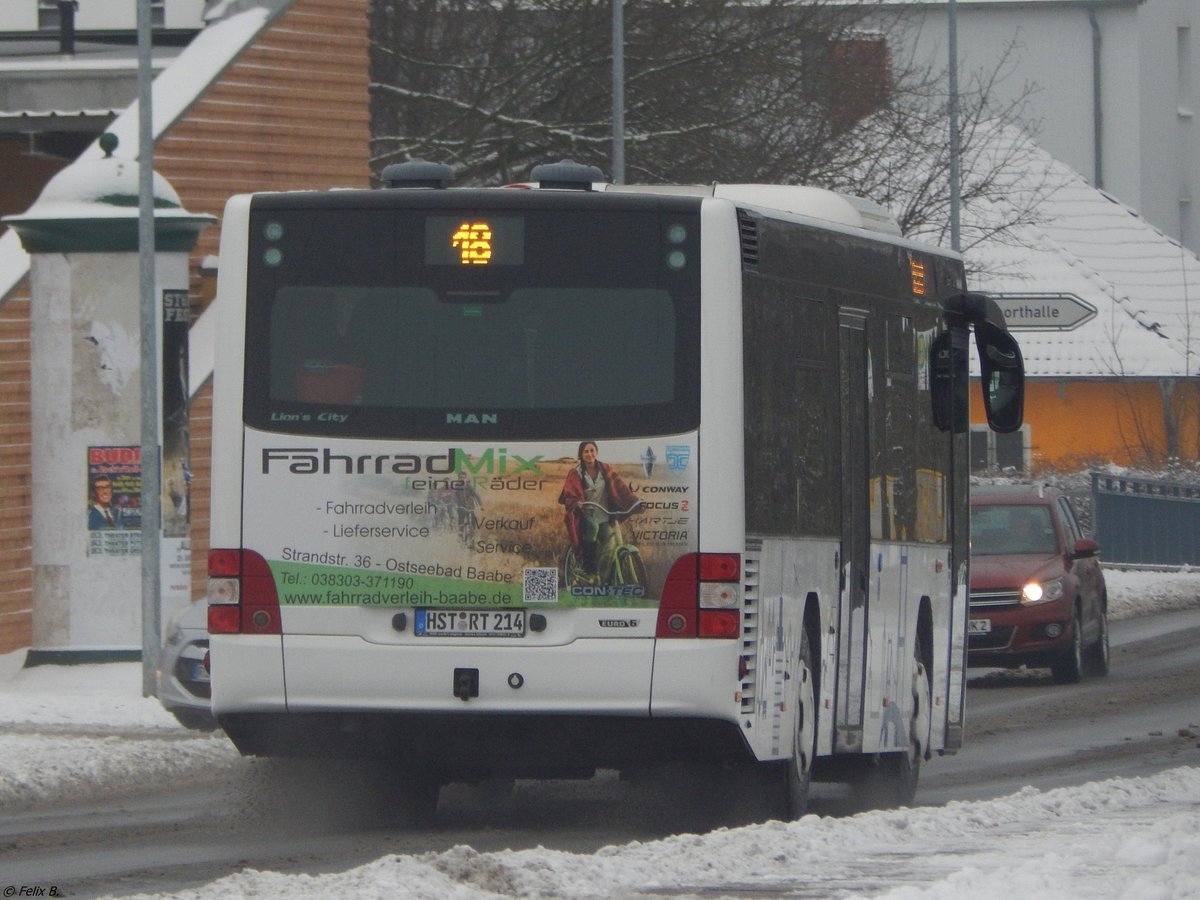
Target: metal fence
{"type": "Point", "coordinates": [1138, 521]}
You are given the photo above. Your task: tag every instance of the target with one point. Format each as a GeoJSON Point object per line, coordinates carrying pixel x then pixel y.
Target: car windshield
{"type": "Point", "coordinates": [1008, 530]}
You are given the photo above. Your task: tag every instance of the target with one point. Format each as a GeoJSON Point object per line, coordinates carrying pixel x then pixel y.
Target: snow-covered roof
{"type": "Point", "coordinates": [1144, 286]}
{"type": "Point", "coordinates": [89, 187]}
{"type": "Point", "coordinates": [45, 114]}
{"type": "Point", "coordinates": [175, 89]}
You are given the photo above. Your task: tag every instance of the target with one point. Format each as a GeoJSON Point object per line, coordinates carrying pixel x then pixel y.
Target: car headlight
{"type": "Point", "coordinates": [1042, 591]}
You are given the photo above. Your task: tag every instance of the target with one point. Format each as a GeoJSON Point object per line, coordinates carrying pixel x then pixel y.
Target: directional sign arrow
{"type": "Point", "coordinates": [1044, 312]}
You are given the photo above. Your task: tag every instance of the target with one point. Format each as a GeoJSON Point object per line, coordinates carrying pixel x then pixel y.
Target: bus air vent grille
{"type": "Point", "coordinates": [748, 232]}
{"type": "Point", "coordinates": [750, 588]}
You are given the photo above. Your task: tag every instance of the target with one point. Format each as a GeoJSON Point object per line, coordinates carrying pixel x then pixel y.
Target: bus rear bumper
{"type": "Point", "coordinates": [468, 746]}
{"type": "Point", "coordinates": [588, 676]}
{"type": "Point", "coordinates": [545, 711]}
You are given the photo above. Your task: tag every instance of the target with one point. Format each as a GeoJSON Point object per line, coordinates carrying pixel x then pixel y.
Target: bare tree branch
{"type": "Point", "coordinates": [783, 91]}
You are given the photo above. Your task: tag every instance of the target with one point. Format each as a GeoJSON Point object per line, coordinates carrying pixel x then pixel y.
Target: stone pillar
{"type": "Point", "coordinates": [86, 402]}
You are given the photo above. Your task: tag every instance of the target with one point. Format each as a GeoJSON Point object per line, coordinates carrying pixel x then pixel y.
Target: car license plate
{"type": "Point", "coordinates": [980, 626]}
{"type": "Point", "coordinates": [470, 622]}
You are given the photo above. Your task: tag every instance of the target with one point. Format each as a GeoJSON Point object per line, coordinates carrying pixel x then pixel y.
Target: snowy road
{"type": "Point", "coordinates": [1024, 729]}
{"type": "Point", "coordinates": [158, 810]}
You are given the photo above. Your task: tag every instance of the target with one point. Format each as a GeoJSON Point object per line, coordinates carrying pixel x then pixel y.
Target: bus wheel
{"type": "Point", "coordinates": [804, 735]}
{"type": "Point", "coordinates": [890, 779]}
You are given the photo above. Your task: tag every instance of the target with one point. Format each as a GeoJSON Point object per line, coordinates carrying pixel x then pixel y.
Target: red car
{"type": "Point", "coordinates": [1038, 597]}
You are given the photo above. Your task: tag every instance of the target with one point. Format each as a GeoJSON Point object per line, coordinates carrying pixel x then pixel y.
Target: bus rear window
{"type": "Point", "coordinates": [385, 340]}
{"type": "Point", "coordinates": [539, 348]}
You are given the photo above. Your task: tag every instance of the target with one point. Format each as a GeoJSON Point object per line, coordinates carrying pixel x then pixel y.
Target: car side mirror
{"type": "Point", "coordinates": [1085, 548]}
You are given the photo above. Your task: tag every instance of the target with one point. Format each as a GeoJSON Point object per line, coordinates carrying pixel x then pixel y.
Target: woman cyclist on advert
{"type": "Point", "coordinates": [592, 481]}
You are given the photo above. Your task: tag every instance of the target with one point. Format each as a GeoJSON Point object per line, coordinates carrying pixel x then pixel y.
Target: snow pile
{"type": "Point", "coordinates": [1128, 838]}
{"type": "Point", "coordinates": [41, 768]}
{"type": "Point", "coordinates": [65, 733]}
{"type": "Point", "coordinates": [1133, 593]}
{"type": "Point", "coordinates": [92, 696]}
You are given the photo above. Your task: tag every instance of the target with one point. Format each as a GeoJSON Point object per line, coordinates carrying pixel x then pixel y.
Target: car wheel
{"type": "Point", "coordinates": [1096, 657]}
{"type": "Point", "coordinates": [1069, 668]}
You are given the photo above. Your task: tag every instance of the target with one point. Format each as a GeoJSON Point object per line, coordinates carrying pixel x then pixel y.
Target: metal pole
{"type": "Point", "coordinates": [151, 508]}
{"type": "Point", "coordinates": [955, 162]}
{"type": "Point", "coordinates": [618, 91]}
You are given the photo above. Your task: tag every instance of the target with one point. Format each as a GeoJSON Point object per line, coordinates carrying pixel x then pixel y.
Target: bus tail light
{"type": "Point", "coordinates": [241, 594]}
{"type": "Point", "coordinates": [702, 597]}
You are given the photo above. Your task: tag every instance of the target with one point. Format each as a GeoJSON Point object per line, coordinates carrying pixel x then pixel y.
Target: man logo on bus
{"type": "Point", "coordinates": [474, 243]}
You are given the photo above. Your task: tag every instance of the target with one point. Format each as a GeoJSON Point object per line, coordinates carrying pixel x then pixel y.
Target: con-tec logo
{"type": "Point", "coordinates": [455, 461]}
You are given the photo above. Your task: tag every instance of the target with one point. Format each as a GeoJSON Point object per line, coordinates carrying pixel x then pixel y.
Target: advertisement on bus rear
{"type": "Point", "coordinates": [457, 526]}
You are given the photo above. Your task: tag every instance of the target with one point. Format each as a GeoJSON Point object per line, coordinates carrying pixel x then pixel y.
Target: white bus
{"type": "Point", "coordinates": [531, 481]}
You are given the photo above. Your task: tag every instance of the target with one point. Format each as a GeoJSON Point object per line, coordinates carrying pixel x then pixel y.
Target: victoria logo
{"type": "Point", "coordinates": [471, 418]}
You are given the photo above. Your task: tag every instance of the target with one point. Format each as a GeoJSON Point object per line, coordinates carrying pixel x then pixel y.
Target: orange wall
{"type": "Point", "coordinates": [1074, 424]}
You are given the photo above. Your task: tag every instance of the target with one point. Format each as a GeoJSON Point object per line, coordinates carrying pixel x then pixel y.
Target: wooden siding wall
{"type": "Point", "coordinates": [291, 112]}
{"type": "Point", "coordinates": [16, 502]}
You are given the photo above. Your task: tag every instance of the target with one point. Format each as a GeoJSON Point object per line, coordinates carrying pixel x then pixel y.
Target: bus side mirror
{"type": "Point", "coordinates": [1000, 364]}
{"type": "Point", "coordinates": [1003, 374]}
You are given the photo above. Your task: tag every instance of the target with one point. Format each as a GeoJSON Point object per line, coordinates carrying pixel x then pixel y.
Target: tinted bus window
{"type": "Point", "coordinates": [543, 324]}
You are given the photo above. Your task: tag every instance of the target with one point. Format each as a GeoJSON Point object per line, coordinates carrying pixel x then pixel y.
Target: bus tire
{"type": "Point", "coordinates": [804, 734]}
{"type": "Point", "coordinates": [889, 780]}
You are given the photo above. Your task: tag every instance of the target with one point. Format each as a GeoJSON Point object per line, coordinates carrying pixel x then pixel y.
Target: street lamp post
{"type": "Point", "coordinates": [618, 91]}
{"type": "Point", "coordinates": [151, 509]}
{"type": "Point", "coordinates": [955, 161]}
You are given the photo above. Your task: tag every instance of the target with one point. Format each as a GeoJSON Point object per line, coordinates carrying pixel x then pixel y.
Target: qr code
{"type": "Point", "coordinates": [540, 585]}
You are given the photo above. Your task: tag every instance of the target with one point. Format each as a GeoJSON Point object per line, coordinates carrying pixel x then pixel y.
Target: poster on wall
{"type": "Point", "coordinates": [114, 516]}
{"type": "Point", "coordinates": [176, 461]}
